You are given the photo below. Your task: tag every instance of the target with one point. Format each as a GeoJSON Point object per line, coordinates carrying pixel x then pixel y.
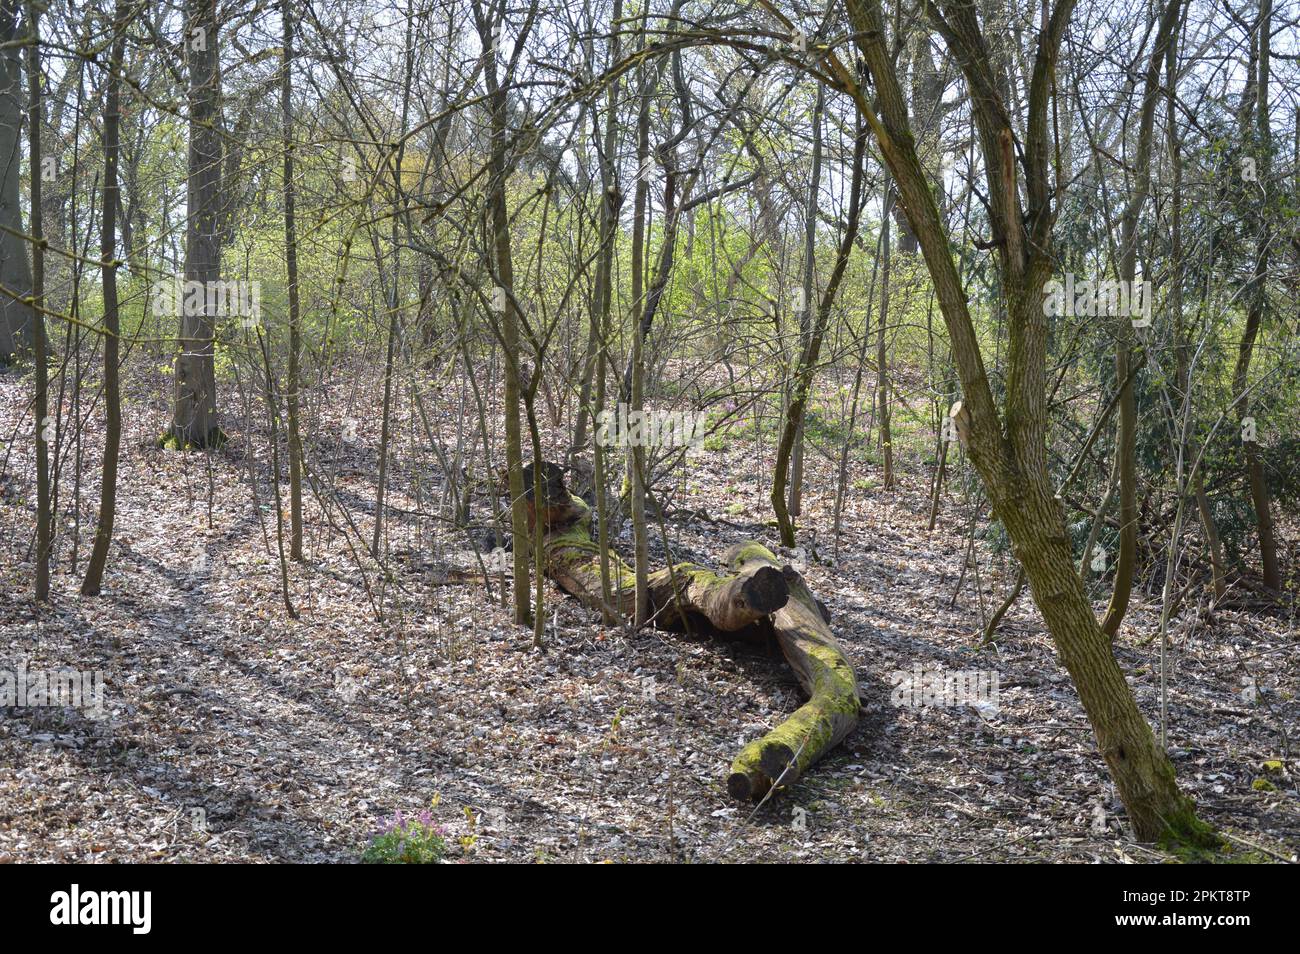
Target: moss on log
{"type": "Point", "coordinates": [727, 601]}
{"type": "Point", "coordinates": [823, 671]}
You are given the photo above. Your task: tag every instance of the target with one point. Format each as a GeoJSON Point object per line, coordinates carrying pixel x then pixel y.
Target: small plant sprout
{"type": "Point", "coordinates": [469, 840]}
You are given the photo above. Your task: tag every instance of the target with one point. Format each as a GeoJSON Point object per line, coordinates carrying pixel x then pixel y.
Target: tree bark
{"type": "Point", "coordinates": [90, 585]}
{"type": "Point", "coordinates": [499, 223]}
{"type": "Point", "coordinates": [882, 355]}
{"type": "Point", "coordinates": [1260, 497]}
{"type": "Point", "coordinates": [16, 315]}
{"type": "Point", "coordinates": [291, 268]}
{"type": "Point", "coordinates": [44, 427]}
{"type": "Point", "coordinates": [809, 283]}
{"type": "Point", "coordinates": [194, 414]}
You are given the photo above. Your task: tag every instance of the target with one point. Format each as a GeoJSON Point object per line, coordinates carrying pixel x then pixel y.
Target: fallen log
{"type": "Point", "coordinates": [679, 595]}
{"type": "Point", "coordinates": [755, 591]}
{"type": "Point", "coordinates": [826, 675]}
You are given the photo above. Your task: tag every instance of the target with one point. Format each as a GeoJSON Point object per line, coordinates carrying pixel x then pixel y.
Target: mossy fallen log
{"type": "Point", "coordinates": [826, 675]}
{"type": "Point", "coordinates": [754, 589]}
{"type": "Point", "coordinates": [728, 601]}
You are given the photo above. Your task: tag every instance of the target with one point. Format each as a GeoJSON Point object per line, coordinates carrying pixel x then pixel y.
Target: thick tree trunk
{"type": "Point", "coordinates": [16, 326]}
{"type": "Point", "coordinates": [685, 595]}
{"type": "Point", "coordinates": [194, 410]}
{"type": "Point", "coordinates": [1012, 460]}
{"type": "Point", "coordinates": [1143, 774]}
{"type": "Point", "coordinates": [680, 595]}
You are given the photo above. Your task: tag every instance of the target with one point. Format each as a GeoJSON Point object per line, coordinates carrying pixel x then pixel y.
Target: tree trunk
{"type": "Point", "coordinates": [291, 267]}
{"type": "Point", "coordinates": [194, 414]}
{"type": "Point", "coordinates": [1126, 564]}
{"type": "Point", "coordinates": [809, 283]}
{"type": "Point", "coordinates": [882, 355]}
{"type": "Point", "coordinates": [17, 331]}
{"type": "Point", "coordinates": [636, 462]}
{"type": "Point", "coordinates": [44, 425]}
{"type": "Point", "coordinates": [501, 252]}
{"type": "Point", "coordinates": [1260, 497]}
{"type": "Point", "coordinates": [1012, 461]}
{"type": "Point", "coordinates": [603, 296]}
{"type": "Point", "coordinates": [394, 293]}
{"type": "Point", "coordinates": [90, 585]}
{"type": "Point", "coordinates": [808, 357]}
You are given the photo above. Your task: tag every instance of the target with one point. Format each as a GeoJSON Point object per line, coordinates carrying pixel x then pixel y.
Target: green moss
{"type": "Point", "coordinates": [747, 552]}
{"type": "Point", "coordinates": [215, 439]}
{"type": "Point", "coordinates": [1191, 840]}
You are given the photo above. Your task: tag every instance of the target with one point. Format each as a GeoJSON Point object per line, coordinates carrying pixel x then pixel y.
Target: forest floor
{"type": "Point", "coordinates": [231, 732]}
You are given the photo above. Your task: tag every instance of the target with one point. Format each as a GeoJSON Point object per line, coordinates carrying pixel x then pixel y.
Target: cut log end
{"type": "Point", "coordinates": [743, 786]}
{"type": "Point", "coordinates": [766, 591]}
